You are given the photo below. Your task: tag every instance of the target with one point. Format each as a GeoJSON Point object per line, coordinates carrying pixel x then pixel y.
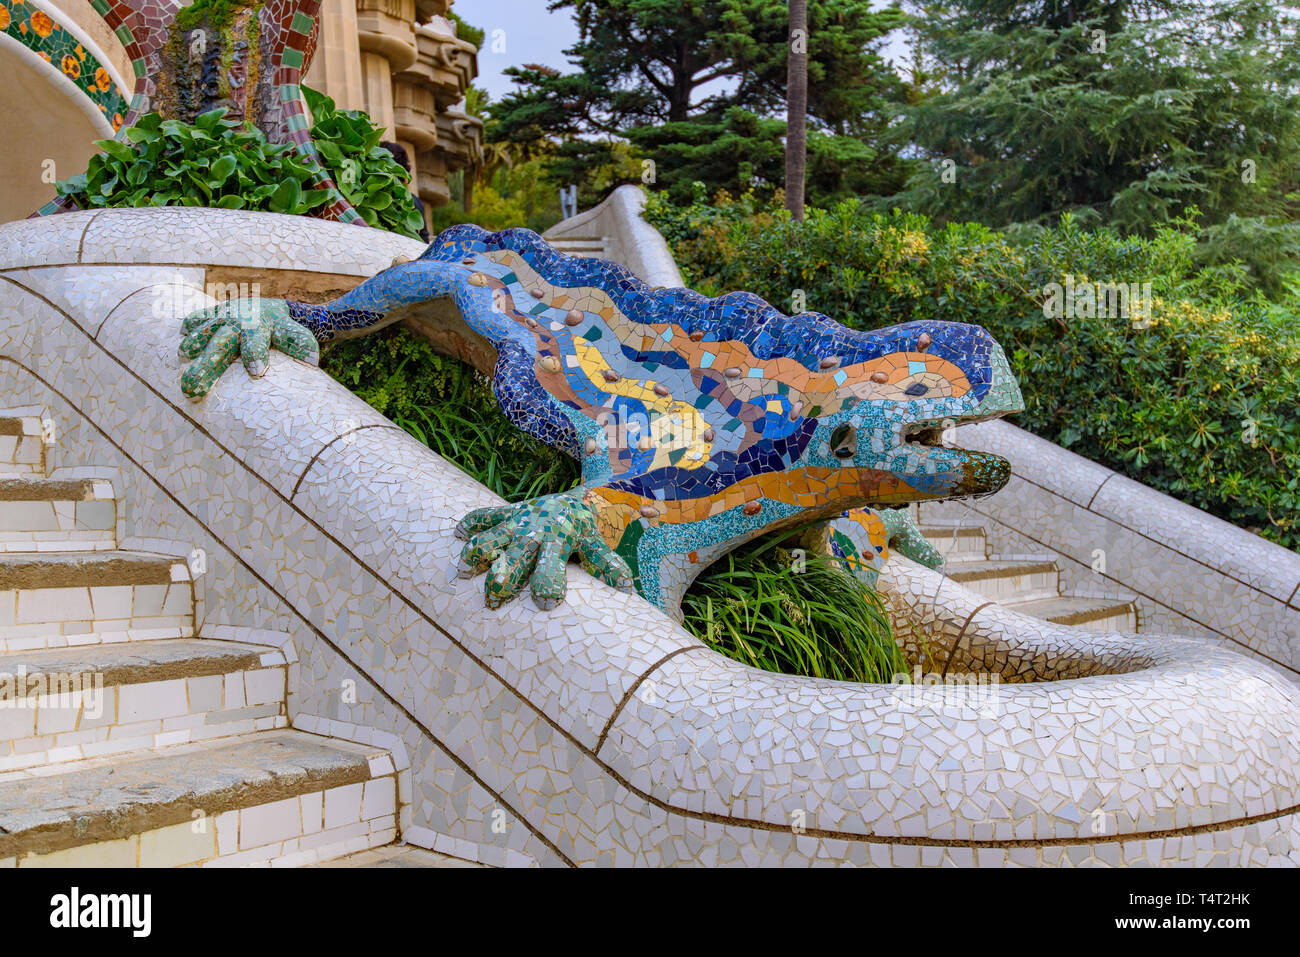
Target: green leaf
{"type": "Point", "coordinates": [117, 150]}
{"type": "Point", "coordinates": [286, 197]}
{"type": "Point", "coordinates": [221, 169]}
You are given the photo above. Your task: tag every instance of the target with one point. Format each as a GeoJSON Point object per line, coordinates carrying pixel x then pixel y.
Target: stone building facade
{"type": "Point", "coordinates": [403, 63]}
{"type": "Point", "coordinates": [66, 80]}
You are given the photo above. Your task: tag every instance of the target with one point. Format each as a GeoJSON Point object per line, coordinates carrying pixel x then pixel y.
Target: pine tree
{"type": "Point", "coordinates": [1121, 111]}
{"type": "Point", "coordinates": [645, 68]}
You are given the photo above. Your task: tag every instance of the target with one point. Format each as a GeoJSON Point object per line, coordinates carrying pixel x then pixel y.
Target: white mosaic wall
{"type": "Point", "coordinates": [598, 733]}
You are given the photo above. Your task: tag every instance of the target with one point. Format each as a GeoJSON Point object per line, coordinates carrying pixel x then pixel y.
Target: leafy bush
{"type": "Point", "coordinates": [1198, 400]}
{"type": "Point", "coordinates": [214, 162]}
{"type": "Point", "coordinates": [449, 407]}
{"type": "Point", "coordinates": [752, 606]}
{"type": "Point", "coordinates": [366, 174]}
{"type": "Point", "coordinates": [220, 162]}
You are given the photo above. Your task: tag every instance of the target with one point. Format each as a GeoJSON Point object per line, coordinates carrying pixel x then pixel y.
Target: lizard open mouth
{"type": "Point", "coordinates": [978, 473]}
{"type": "Point", "coordinates": [924, 435]}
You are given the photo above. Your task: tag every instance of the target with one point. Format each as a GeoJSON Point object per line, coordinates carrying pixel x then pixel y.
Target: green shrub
{"type": "Point", "coordinates": [214, 162]}
{"type": "Point", "coordinates": [220, 162]}
{"type": "Point", "coordinates": [449, 407]}
{"type": "Point", "coordinates": [365, 173]}
{"type": "Point", "coordinates": [757, 606]}
{"type": "Point", "coordinates": [1198, 400]}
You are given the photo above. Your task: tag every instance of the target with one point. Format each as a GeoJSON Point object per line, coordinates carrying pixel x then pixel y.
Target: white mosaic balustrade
{"type": "Point", "coordinates": [1192, 574]}
{"type": "Point", "coordinates": [601, 733]}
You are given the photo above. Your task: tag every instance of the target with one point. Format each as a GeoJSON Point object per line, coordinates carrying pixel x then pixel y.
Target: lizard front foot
{"type": "Point", "coordinates": [240, 327]}
{"type": "Point", "coordinates": [905, 537]}
{"type": "Point", "coordinates": [536, 538]}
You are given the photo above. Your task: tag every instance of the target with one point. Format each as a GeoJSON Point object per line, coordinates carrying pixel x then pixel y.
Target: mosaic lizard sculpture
{"type": "Point", "coordinates": [699, 423]}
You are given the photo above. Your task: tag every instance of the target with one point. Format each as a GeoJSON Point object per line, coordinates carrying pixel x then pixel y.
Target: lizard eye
{"type": "Point", "coordinates": [916, 388]}
{"type": "Point", "coordinates": [844, 441]}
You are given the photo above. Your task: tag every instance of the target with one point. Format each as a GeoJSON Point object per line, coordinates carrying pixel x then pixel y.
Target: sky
{"type": "Point", "coordinates": [521, 31]}
{"type": "Point", "coordinates": [528, 34]}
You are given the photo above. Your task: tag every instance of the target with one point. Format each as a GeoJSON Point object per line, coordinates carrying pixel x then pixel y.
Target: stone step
{"type": "Point", "coordinates": [1091, 614]}
{"type": "Point", "coordinates": [55, 599]}
{"type": "Point", "coordinates": [399, 855]}
{"type": "Point", "coordinates": [598, 253]}
{"type": "Point", "coordinates": [22, 441]}
{"type": "Point", "coordinates": [582, 246]}
{"type": "Point", "coordinates": [283, 798]}
{"type": "Point", "coordinates": [1006, 580]}
{"type": "Point", "coordinates": [45, 514]}
{"type": "Point", "coordinates": [956, 541]}
{"type": "Point", "coordinates": [89, 701]}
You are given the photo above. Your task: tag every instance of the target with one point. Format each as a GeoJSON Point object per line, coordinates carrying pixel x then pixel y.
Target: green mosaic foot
{"type": "Point", "coordinates": [906, 538]}
{"type": "Point", "coordinates": [535, 539]}
{"type": "Point", "coordinates": [247, 328]}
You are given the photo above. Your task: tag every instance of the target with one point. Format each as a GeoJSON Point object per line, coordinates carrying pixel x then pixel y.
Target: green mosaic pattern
{"type": "Point", "coordinates": [906, 538]}
{"type": "Point", "coordinates": [536, 539]}
{"type": "Point", "coordinates": [247, 328]}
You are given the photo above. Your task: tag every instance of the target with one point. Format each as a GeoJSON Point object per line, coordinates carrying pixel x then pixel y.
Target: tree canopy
{"type": "Point", "coordinates": [696, 83]}
{"type": "Point", "coordinates": [1119, 111]}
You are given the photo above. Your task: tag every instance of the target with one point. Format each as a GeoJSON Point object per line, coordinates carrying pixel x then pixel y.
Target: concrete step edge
{"type": "Point", "coordinates": [108, 799]}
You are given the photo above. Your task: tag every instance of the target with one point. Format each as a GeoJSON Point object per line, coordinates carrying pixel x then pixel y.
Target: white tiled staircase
{"type": "Point", "coordinates": [586, 247]}
{"type": "Point", "coordinates": [1029, 584]}
{"type": "Point", "coordinates": [125, 738]}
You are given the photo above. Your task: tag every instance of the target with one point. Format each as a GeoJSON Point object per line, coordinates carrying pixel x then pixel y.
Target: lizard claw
{"type": "Point", "coordinates": [247, 328]}
{"type": "Point", "coordinates": [534, 540]}
{"type": "Point", "coordinates": [905, 538]}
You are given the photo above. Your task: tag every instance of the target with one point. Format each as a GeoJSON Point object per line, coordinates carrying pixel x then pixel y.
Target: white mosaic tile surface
{"type": "Point", "coordinates": [1191, 572]}
{"type": "Point", "coordinates": [600, 733]}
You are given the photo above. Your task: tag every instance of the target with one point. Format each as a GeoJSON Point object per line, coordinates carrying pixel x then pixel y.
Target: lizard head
{"type": "Point", "coordinates": [897, 394]}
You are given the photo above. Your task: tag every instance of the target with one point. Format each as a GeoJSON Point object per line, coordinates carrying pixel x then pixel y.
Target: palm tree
{"type": "Point", "coordinates": [796, 129]}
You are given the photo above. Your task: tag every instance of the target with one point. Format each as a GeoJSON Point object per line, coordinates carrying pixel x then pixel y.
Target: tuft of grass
{"type": "Point", "coordinates": [756, 605]}
{"type": "Point", "coordinates": [760, 607]}
{"type": "Point", "coordinates": [449, 407]}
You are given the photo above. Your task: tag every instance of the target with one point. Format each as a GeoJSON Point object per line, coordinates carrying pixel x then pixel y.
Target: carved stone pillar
{"type": "Point", "coordinates": [336, 70]}
{"type": "Point", "coordinates": [436, 82]}
{"type": "Point", "coordinates": [431, 180]}
{"type": "Point", "coordinates": [415, 112]}
{"type": "Point", "coordinates": [386, 36]}
{"type": "Point", "coordinates": [377, 91]}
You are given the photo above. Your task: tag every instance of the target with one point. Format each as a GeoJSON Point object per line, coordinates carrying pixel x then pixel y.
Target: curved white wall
{"type": "Point", "coordinates": [46, 119]}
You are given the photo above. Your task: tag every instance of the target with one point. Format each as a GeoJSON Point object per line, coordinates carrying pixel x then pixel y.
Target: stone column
{"type": "Point", "coordinates": [386, 36]}
{"type": "Point", "coordinates": [443, 71]}
{"type": "Point", "coordinates": [336, 68]}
